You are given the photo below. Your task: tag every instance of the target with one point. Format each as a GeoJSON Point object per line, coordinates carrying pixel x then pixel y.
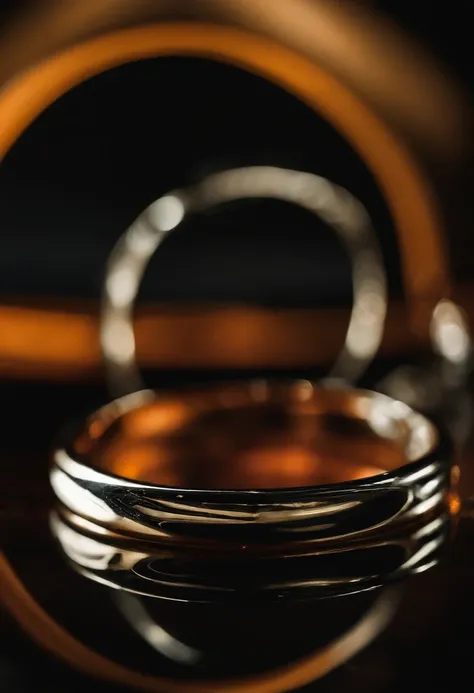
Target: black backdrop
{"type": "Point", "coordinates": [89, 165]}
{"type": "Point", "coordinates": [96, 158]}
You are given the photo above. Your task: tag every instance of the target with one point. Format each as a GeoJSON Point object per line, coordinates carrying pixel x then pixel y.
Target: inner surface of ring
{"type": "Point", "coordinates": [256, 435]}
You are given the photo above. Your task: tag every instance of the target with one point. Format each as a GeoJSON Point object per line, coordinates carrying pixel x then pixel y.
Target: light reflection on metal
{"type": "Point", "coordinates": [155, 635]}
{"type": "Point", "coordinates": [79, 499]}
{"type": "Point", "coordinates": [363, 349]}
{"type": "Point", "coordinates": [338, 208]}
{"type": "Point", "coordinates": [440, 386]}
{"type": "Point", "coordinates": [62, 644]}
{"type": "Point", "coordinates": [217, 498]}
{"type": "Point", "coordinates": [174, 573]}
{"type": "Point", "coordinates": [450, 333]}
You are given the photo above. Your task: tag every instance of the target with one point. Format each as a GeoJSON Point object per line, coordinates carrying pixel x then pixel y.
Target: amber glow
{"type": "Point", "coordinates": [454, 503]}
{"type": "Point", "coordinates": [44, 341]}
{"type": "Point", "coordinates": [61, 340]}
{"type": "Point", "coordinates": [142, 461]}
{"type": "Point", "coordinates": [293, 465]}
{"type": "Point", "coordinates": [149, 422]}
{"type": "Point", "coordinates": [454, 499]}
{"type": "Point", "coordinates": [96, 429]}
{"type": "Point", "coordinates": [407, 192]}
{"type": "Point", "coordinates": [254, 443]}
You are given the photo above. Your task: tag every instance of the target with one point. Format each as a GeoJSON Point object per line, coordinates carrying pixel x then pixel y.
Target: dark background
{"type": "Point", "coordinates": [107, 149]}
{"type": "Point", "coordinates": [74, 182]}
{"type": "Point", "coordinates": [90, 164]}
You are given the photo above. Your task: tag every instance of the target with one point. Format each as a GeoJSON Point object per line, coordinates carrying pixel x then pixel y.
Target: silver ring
{"type": "Point", "coordinates": [112, 492]}
{"type": "Point", "coordinates": [333, 204]}
{"type": "Point", "coordinates": [175, 574]}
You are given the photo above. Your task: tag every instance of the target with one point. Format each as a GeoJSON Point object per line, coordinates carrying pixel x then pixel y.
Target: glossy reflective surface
{"type": "Point", "coordinates": [215, 534]}
{"type": "Point", "coordinates": [245, 577]}
{"type": "Point", "coordinates": [431, 624]}
{"type": "Point", "coordinates": [265, 429]}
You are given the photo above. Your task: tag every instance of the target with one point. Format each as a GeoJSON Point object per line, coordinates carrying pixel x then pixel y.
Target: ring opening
{"type": "Point", "coordinates": [256, 435]}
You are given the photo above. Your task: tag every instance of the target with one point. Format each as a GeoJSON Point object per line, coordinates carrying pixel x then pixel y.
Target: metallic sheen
{"type": "Point", "coordinates": [334, 205]}
{"type": "Point", "coordinates": [182, 575]}
{"type": "Point", "coordinates": [259, 519]}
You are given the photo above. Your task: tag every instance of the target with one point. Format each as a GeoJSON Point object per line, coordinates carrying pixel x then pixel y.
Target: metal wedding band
{"type": "Point", "coordinates": [333, 204]}
{"type": "Point", "coordinates": [350, 524]}
{"type": "Point", "coordinates": [192, 577]}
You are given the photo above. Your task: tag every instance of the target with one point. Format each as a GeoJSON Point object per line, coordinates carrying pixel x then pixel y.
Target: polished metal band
{"type": "Point", "coordinates": [334, 205]}
{"type": "Point", "coordinates": [275, 520]}
{"type": "Point", "coordinates": [192, 576]}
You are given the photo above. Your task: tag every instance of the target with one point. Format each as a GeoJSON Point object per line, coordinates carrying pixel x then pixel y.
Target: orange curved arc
{"type": "Point", "coordinates": [407, 192]}
{"type": "Point", "coordinates": [56, 639]}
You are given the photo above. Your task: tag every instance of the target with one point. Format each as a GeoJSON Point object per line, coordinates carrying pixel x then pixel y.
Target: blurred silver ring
{"type": "Point", "coordinates": [333, 204]}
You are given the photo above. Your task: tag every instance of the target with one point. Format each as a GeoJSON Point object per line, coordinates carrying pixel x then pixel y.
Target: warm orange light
{"type": "Point", "coordinates": [406, 190]}
{"type": "Point", "coordinates": [60, 341]}
{"type": "Point", "coordinates": [152, 420]}
{"type": "Point", "coordinates": [46, 343]}
{"type": "Point", "coordinates": [142, 461]}
{"type": "Point", "coordinates": [454, 503]}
